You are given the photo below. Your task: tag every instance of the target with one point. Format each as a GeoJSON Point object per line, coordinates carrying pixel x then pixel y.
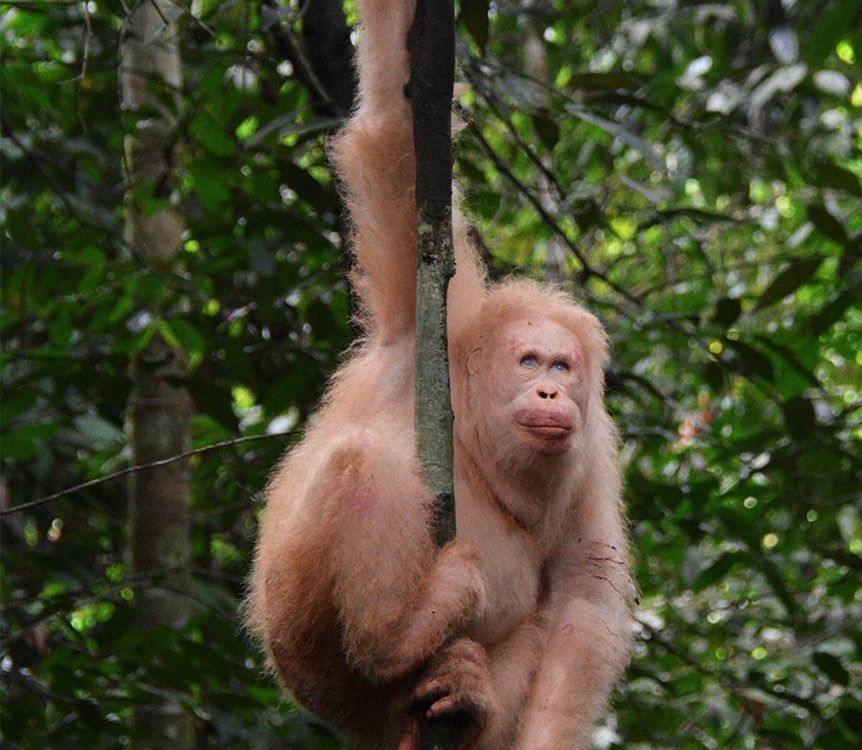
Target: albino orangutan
{"type": "Point", "coordinates": [522, 622]}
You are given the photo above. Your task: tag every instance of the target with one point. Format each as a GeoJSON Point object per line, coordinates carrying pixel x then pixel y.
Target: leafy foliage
{"type": "Point", "coordinates": [691, 170]}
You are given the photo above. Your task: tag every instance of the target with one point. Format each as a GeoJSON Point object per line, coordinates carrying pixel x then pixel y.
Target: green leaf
{"type": "Point", "coordinates": [319, 316]}
{"type": "Point", "coordinates": [717, 570]}
{"type": "Point", "coordinates": [727, 310]}
{"type": "Point", "coordinates": [547, 130]}
{"type": "Point", "coordinates": [739, 523]}
{"type": "Point", "coordinates": [588, 215]}
{"type": "Point", "coordinates": [831, 667]}
{"type": "Point", "coordinates": [832, 25]}
{"type": "Point", "coordinates": [795, 376]}
{"type": "Point", "coordinates": [851, 716]}
{"type": "Point", "coordinates": [833, 310]}
{"type": "Point", "coordinates": [210, 185]}
{"type": "Point", "coordinates": [61, 327]}
{"type": "Point", "coordinates": [25, 23]}
{"type": "Point", "coordinates": [475, 15]}
{"type": "Point", "coordinates": [828, 224]}
{"type": "Point", "coordinates": [485, 203]}
{"type": "Point", "coordinates": [307, 187]}
{"type": "Point", "coordinates": [289, 390]}
{"type": "Point", "coordinates": [752, 361]}
{"type": "Point", "coordinates": [10, 408]}
{"type": "Point", "coordinates": [189, 337]}
{"type": "Point", "coordinates": [713, 375]}
{"type": "Point", "coordinates": [828, 174]}
{"type": "Point", "coordinates": [627, 135]}
{"type": "Point", "coordinates": [247, 128]}
{"type": "Point", "coordinates": [27, 441]}
{"type": "Point", "coordinates": [264, 186]}
{"type": "Point", "coordinates": [211, 135]}
{"type": "Point", "coordinates": [789, 280]}
{"type": "Point", "coordinates": [213, 399]}
{"type": "Point", "coordinates": [205, 8]}
{"type": "Point", "coordinates": [799, 417]}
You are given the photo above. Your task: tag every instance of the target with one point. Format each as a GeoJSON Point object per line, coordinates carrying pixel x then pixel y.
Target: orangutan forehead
{"type": "Point", "coordinates": [544, 333]}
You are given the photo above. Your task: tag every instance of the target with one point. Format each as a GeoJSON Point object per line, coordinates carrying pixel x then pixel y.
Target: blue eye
{"type": "Point", "coordinates": [528, 361]}
{"type": "Point", "coordinates": [561, 367]}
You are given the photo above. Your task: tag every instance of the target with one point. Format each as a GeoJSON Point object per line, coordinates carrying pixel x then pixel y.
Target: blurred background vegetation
{"type": "Point", "coordinates": [690, 170]}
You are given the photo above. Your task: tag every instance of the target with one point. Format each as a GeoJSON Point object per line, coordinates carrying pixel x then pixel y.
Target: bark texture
{"type": "Point", "coordinates": [160, 412]}
{"type": "Point", "coordinates": [432, 72]}
{"type": "Point", "coordinates": [431, 45]}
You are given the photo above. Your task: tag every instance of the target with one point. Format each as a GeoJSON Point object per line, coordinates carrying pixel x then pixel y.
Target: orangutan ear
{"type": "Point", "coordinates": [474, 361]}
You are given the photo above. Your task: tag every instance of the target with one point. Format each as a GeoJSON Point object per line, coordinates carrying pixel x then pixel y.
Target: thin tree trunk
{"type": "Point", "coordinates": [432, 74]}
{"type": "Point", "coordinates": [160, 412]}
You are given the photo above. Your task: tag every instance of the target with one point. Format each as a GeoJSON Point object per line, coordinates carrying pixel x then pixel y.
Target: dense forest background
{"type": "Point", "coordinates": [690, 170]}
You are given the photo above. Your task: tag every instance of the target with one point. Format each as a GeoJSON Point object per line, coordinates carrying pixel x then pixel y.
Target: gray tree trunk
{"type": "Point", "coordinates": [432, 73]}
{"type": "Point", "coordinates": [159, 411]}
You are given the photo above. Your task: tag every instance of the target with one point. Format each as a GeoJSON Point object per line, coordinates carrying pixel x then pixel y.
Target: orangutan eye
{"type": "Point", "coordinates": [528, 361]}
{"type": "Point", "coordinates": [561, 367]}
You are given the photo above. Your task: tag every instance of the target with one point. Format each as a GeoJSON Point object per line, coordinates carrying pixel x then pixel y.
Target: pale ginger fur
{"type": "Point", "coordinates": [355, 606]}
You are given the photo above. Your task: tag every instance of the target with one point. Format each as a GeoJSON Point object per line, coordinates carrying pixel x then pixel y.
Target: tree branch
{"type": "Point", "coordinates": [140, 467]}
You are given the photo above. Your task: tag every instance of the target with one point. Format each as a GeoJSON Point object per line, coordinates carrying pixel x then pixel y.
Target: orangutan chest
{"type": "Point", "coordinates": [511, 565]}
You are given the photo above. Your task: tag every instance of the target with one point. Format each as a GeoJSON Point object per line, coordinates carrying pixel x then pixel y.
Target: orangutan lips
{"type": "Point", "coordinates": [544, 423]}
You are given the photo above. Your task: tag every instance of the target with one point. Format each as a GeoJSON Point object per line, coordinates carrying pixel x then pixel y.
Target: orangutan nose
{"type": "Point", "coordinates": [547, 391]}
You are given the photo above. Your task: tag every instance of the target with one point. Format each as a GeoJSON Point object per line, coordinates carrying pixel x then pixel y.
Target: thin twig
{"type": "Point", "coordinates": [140, 467]}
{"type": "Point", "coordinates": [493, 104]}
{"type": "Point", "coordinates": [85, 61]}
{"type": "Point", "coordinates": [729, 683]}
{"type": "Point", "coordinates": [286, 43]}
{"type": "Point", "coordinates": [587, 269]}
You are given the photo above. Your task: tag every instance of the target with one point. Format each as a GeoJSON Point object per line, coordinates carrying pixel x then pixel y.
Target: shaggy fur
{"type": "Point", "coordinates": [356, 608]}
